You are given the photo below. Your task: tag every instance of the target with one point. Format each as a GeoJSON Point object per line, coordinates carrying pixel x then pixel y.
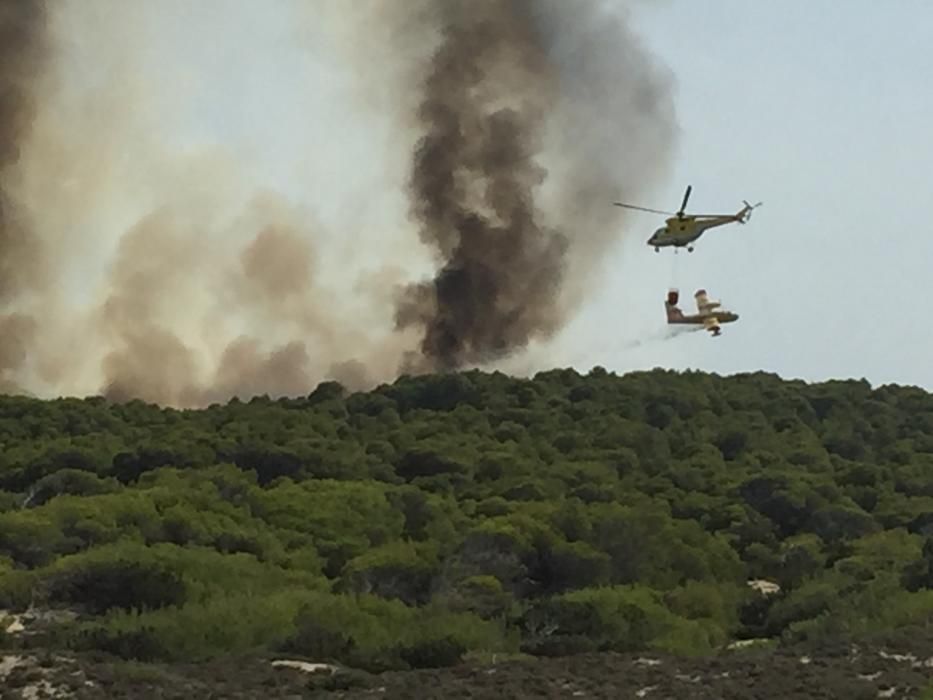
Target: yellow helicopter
{"type": "Point", "coordinates": [683, 229]}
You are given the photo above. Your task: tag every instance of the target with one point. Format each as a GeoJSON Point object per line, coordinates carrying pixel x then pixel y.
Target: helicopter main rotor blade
{"type": "Point", "coordinates": [653, 211]}
{"type": "Point", "coordinates": [686, 197]}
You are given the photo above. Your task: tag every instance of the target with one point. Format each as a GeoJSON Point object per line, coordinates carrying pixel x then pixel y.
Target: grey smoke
{"type": "Point", "coordinates": [526, 119]}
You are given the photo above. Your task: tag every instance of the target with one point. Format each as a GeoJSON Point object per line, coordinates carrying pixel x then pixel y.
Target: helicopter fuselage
{"type": "Point", "coordinates": [682, 231]}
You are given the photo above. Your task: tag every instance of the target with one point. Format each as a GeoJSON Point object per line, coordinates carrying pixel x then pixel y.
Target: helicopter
{"type": "Point", "coordinates": [682, 230]}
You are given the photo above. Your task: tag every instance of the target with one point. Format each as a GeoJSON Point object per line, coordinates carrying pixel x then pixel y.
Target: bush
{"type": "Point", "coordinates": [579, 513]}
{"type": "Point", "coordinates": [341, 680]}
{"type": "Point", "coordinates": [141, 644]}
{"type": "Point", "coordinates": [560, 645]}
{"type": "Point", "coordinates": [102, 586]}
{"type": "Point", "coordinates": [398, 570]}
{"type": "Point", "coordinates": [433, 653]}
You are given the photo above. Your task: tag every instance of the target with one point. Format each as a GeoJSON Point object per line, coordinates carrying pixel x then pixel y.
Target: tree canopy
{"type": "Point", "coordinates": [463, 513]}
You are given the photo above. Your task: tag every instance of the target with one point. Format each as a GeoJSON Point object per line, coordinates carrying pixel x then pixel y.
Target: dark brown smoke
{"type": "Point", "coordinates": [22, 49]}
{"type": "Point", "coordinates": [473, 188]}
{"type": "Point", "coordinates": [508, 77]}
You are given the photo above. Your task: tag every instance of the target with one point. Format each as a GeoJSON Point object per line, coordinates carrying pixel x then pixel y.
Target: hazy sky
{"type": "Point", "coordinates": [818, 108]}
{"type": "Point", "coordinates": [821, 110]}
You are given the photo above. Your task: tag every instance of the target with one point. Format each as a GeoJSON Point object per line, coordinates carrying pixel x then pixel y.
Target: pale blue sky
{"type": "Point", "coordinates": [819, 108]}
{"type": "Point", "coordinates": [823, 110]}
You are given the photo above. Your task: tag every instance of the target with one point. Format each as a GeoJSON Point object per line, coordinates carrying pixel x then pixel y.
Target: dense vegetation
{"type": "Point", "coordinates": [443, 516]}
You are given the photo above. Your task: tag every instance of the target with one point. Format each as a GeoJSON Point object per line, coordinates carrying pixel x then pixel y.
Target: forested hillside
{"type": "Point", "coordinates": [456, 516]}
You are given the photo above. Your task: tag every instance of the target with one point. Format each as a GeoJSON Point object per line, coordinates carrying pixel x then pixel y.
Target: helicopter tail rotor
{"type": "Point", "coordinates": [747, 213]}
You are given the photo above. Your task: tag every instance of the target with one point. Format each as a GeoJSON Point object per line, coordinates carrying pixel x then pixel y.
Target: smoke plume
{"type": "Point", "coordinates": [506, 74]}
{"type": "Point", "coordinates": [397, 187]}
{"type": "Point", "coordinates": [22, 49]}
